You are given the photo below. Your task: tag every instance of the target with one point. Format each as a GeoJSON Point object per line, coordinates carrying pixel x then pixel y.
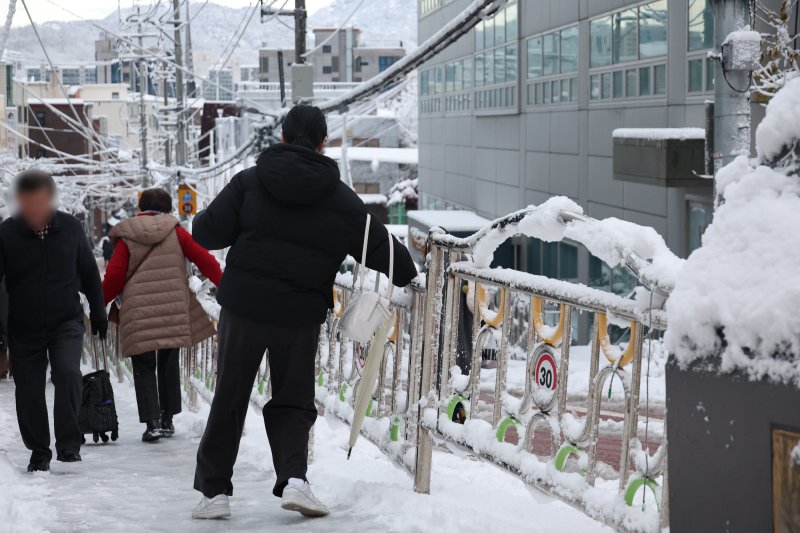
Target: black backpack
{"type": "Point", "coordinates": [98, 414]}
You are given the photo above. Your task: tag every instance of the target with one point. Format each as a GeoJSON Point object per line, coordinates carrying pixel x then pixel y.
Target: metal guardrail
{"type": "Point", "coordinates": [424, 398]}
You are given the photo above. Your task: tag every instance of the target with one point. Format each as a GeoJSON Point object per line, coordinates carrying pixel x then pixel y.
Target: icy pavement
{"type": "Point", "coordinates": [132, 486]}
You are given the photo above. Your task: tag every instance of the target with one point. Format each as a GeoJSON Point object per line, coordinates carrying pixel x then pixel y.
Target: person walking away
{"type": "Point", "coordinates": [290, 222]}
{"type": "Point", "coordinates": [159, 314]}
{"type": "Point", "coordinates": [46, 260]}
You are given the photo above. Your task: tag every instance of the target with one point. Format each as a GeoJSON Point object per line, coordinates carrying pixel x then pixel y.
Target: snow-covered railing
{"type": "Point", "coordinates": [430, 387]}
{"type": "Point", "coordinates": [558, 447]}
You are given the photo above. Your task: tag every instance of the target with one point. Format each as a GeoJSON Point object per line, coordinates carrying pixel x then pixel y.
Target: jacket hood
{"type": "Point", "coordinates": [144, 229]}
{"type": "Point", "coordinates": [296, 175]}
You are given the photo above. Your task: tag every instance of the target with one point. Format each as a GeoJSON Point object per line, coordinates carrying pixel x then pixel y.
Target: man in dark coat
{"type": "Point", "coordinates": [46, 259]}
{"type": "Point", "coordinates": [290, 223]}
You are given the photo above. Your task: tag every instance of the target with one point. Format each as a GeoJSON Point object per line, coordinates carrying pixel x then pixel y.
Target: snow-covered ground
{"type": "Point", "coordinates": [131, 486]}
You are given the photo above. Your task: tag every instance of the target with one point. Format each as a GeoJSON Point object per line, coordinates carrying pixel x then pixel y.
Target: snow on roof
{"type": "Point", "coordinates": [660, 134]}
{"type": "Point", "coordinates": [782, 125]}
{"type": "Point", "coordinates": [737, 295]}
{"type": "Point", "coordinates": [398, 230]}
{"type": "Point", "coordinates": [373, 199]}
{"type": "Point", "coordinates": [743, 35]}
{"type": "Point", "coordinates": [56, 101]}
{"type": "Point", "coordinates": [452, 221]}
{"type": "Point", "coordinates": [403, 156]}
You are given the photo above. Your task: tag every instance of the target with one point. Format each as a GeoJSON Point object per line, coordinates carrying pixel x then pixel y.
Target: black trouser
{"type": "Point", "coordinates": [29, 357]}
{"type": "Point", "coordinates": [157, 380]}
{"type": "Point", "coordinates": [288, 416]}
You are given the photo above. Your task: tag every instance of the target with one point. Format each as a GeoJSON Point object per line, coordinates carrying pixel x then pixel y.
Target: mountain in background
{"type": "Point", "coordinates": [382, 22]}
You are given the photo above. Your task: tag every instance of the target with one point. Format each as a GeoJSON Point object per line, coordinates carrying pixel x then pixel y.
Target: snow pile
{"type": "Point", "coordinates": [543, 222]}
{"type": "Point", "coordinates": [612, 240]}
{"type": "Point", "coordinates": [780, 131]}
{"type": "Point", "coordinates": [738, 293]}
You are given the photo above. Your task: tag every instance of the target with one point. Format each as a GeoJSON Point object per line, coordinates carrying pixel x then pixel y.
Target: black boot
{"type": "Point", "coordinates": [167, 428]}
{"type": "Point", "coordinates": [39, 466]}
{"type": "Point", "coordinates": [69, 456]}
{"type": "Point", "coordinates": [153, 431]}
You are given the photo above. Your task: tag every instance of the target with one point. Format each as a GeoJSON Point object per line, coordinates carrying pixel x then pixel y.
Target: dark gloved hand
{"type": "Point", "coordinates": [100, 328]}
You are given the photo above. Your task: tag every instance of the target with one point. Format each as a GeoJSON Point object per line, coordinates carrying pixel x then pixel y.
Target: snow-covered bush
{"type": "Point", "coordinates": [405, 192]}
{"type": "Point", "coordinates": [780, 58]}
{"type": "Point", "coordinates": [738, 294]}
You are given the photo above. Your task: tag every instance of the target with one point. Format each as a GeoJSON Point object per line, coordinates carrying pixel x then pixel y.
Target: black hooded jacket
{"type": "Point", "coordinates": [290, 222]}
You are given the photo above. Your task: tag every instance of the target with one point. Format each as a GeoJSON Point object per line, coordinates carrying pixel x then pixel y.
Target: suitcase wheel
{"type": "Point", "coordinates": [114, 435]}
{"type": "Point", "coordinates": [96, 437]}
{"type": "Point", "coordinates": [104, 437]}
{"type": "Point", "coordinates": [83, 439]}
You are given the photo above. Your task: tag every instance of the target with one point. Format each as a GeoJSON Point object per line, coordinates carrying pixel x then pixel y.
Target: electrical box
{"type": "Point", "coordinates": [742, 51]}
{"type": "Point", "coordinates": [302, 82]}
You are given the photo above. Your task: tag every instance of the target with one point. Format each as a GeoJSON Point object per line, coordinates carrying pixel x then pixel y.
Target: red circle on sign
{"type": "Point", "coordinates": [546, 375]}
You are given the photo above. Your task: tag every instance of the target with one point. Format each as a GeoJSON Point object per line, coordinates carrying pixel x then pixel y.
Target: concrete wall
{"type": "Point", "coordinates": [720, 449]}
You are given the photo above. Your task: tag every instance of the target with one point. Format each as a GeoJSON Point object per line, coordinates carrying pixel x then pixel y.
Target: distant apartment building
{"type": "Point", "coordinates": [337, 56]}
{"type": "Point", "coordinates": [219, 85]}
{"type": "Point", "coordinates": [111, 68]}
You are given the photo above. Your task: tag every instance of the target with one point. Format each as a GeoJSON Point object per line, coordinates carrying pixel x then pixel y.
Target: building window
{"type": "Point", "coordinates": [626, 36]}
{"type": "Point", "coordinates": [701, 69]}
{"type": "Point", "coordinates": [696, 75]}
{"type": "Point", "coordinates": [552, 55]}
{"type": "Point", "coordinates": [701, 25]}
{"type": "Point", "coordinates": [115, 95]}
{"type": "Point", "coordinates": [700, 215]}
{"type": "Point", "coordinates": [9, 85]}
{"type": "Point", "coordinates": [326, 70]}
{"type": "Point", "coordinates": [497, 59]}
{"type": "Point", "coordinates": [427, 6]}
{"type": "Point", "coordinates": [326, 49]}
{"type": "Point", "coordinates": [600, 30]}
{"type": "Point", "coordinates": [39, 117]}
{"type": "Point", "coordinates": [384, 62]}
{"type": "Point", "coordinates": [637, 34]}
{"type": "Point", "coordinates": [653, 29]}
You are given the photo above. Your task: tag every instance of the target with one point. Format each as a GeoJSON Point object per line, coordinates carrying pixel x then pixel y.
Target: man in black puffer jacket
{"type": "Point", "coordinates": [290, 222]}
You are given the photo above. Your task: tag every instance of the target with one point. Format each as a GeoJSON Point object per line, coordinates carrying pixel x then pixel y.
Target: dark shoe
{"type": "Point", "coordinates": [69, 456]}
{"type": "Point", "coordinates": [153, 431]}
{"type": "Point", "coordinates": [167, 428]}
{"type": "Point", "coordinates": [39, 466]}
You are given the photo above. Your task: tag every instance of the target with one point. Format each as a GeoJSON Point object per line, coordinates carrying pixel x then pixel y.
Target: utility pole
{"type": "Point", "coordinates": [732, 136]}
{"type": "Point", "coordinates": [180, 144]}
{"type": "Point", "coordinates": [191, 88]}
{"type": "Point", "coordinates": [167, 147]}
{"type": "Point", "coordinates": [143, 105]}
{"type": "Point", "coordinates": [302, 73]}
{"type": "Point", "coordinates": [300, 16]}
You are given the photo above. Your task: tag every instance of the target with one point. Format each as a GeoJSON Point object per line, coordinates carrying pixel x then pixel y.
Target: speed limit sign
{"type": "Point", "coordinates": [544, 378]}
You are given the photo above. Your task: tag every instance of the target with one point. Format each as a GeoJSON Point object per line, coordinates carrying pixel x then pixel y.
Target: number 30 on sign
{"type": "Point", "coordinates": [544, 378]}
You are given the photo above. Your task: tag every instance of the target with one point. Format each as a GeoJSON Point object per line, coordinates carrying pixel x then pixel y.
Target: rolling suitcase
{"type": "Point", "coordinates": [98, 414]}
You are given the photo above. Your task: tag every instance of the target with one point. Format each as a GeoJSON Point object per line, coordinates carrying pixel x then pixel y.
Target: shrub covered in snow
{"type": "Point", "coordinates": [737, 295]}
{"type": "Point", "coordinates": [405, 192]}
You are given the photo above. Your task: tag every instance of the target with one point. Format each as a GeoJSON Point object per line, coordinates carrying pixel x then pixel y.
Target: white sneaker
{"type": "Point", "coordinates": [211, 508]}
{"type": "Point", "coordinates": [297, 496]}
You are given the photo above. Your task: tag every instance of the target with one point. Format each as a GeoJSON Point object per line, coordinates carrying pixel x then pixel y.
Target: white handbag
{"type": "Point", "coordinates": [365, 311]}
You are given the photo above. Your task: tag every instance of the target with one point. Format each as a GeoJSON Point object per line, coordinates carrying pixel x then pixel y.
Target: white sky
{"type": "Point", "coordinates": [43, 11]}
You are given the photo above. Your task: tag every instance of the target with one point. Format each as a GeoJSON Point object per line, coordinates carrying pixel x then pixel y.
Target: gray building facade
{"type": "Point", "coordinates": [523, 108]}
